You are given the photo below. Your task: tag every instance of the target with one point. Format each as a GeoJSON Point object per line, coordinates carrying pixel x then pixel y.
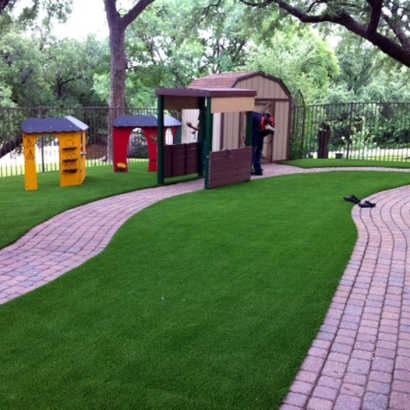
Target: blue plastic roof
{"type": "Point", "coordinates": [144, 121]}
{"type": "Point", "coordinates": [50, 125]}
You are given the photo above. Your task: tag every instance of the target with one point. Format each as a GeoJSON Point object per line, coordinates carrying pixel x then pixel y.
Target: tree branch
{"type": "Point", "coordinates": [4, 3]}
{"type": "Point", "coordinates": [375, 16]}
{"type": "Point", "coordinates": [135, 12]}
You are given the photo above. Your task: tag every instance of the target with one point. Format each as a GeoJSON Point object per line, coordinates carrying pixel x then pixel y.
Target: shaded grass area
{"type": "Point", "coordinates": [21, 210]}
{"type": "Point", "coordinates": [332, 162]}
{"type": "Point", "coordinates": [204, 301]}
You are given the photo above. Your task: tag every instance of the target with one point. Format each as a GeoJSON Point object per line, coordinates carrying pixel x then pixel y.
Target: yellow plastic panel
{"type": "Point", "coordinates": [83, 153]}
{"type": "Point", "coordinates": [30, 171]}
{"type": "Point", "coordinates": [70, 159]}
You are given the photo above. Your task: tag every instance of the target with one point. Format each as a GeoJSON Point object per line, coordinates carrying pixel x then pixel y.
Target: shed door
{"type": "Point", "coordinates": [260, 107]}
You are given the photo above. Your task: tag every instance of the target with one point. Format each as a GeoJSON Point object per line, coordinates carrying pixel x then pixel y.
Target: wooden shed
{"type": "Point", "coordinates": [229, 129]}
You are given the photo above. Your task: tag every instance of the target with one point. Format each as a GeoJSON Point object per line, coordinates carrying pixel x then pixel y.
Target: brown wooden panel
{"type": "Point", "coordinates": [226, 170]}
{"type": "Point", "coordinates": [168, 170]}
{"type": "Point", "coordinates": [181, 159]}
{"type": "Point", "coordinates": [178, 148]}
{"type": "Point", "coordinates": [192, 169]}
{"type": "Point", "coordinates": [179, 170]}
{"type": "Point", "coordinates": [238, 152]}
{"type": "Point", "coordinates": [230, 167]}
{"type": "Point", "coordinates": [234, 163]}
{"type": "Point", "coordinates": [229, 181]}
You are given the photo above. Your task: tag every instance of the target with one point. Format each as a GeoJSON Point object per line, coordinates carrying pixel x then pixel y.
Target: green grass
{"type": "Point", "coordinates": [21, 210]}
{"type": "Point", "coordinates": [203, 301]}
{"type": "Point", "coordinates": [320, 163]}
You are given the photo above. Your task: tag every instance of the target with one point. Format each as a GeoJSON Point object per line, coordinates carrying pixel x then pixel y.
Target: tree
{"type": "Point", "coordinates": [43, 71]}
{"type": "Point", "coordinates": [385, 24]}
{"type": "Point", "coordinates": [367, 75]}
{"type": "Point", "coordinates": [299, 57]}
{"type": "Point", "coordinates": [177, 42]}
{"type": "Point", "coordinates": [58, 9]}
{"type": "Point", "coordinates": [117, 25]}
{"type": "Point", "coordinates": [49, 72]}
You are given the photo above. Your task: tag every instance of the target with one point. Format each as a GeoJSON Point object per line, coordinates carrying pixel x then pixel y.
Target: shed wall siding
{"type": "Point", "coordinates": [216, 133]}
{"type": "Point", "coordinates": [280, 143]}
{"type": "Point", "coordinates": [186, 134]}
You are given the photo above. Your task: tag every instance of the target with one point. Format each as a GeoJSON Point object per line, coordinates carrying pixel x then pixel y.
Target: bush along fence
{"type": "Point", "coordinates": [373, 131]}
{"type": "Point", "coordinates": [98, 120]}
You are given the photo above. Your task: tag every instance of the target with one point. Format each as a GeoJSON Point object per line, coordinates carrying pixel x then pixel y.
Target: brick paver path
{"type": "Point", "coordinates": [360, 359]}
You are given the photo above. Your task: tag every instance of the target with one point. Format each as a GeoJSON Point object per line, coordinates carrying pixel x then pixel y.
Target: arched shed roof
{"type": "Point", "coordinates": [230, 80]}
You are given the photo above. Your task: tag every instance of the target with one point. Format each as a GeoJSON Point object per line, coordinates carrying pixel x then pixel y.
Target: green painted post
{"type": "Point", "coordinates": [249, 121]}
{"type": "Point", "coordinates": [178, 135]}
{"type": "Point", "coordinates": [201, 136]}
{"type": "Point", "coordinates": [208, 138]}
{"type": "Point", "coordinates": [160, 173]}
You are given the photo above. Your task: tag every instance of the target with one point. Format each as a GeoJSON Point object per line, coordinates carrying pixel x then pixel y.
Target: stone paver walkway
{"type": "Point", "coordinates": [360, 359]}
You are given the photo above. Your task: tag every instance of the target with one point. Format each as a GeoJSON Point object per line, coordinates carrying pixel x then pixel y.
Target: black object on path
{"type": "Point", "coordinates": [352, 198]}
{"type": "Point", "coordinates": [367, 204]}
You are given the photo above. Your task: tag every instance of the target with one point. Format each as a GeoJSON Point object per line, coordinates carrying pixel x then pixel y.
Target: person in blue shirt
{"type": "Point", "coordinates": [262, 125]}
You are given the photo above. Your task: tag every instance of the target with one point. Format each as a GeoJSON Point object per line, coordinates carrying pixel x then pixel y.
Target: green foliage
{"type": "Point", "coordinates": [366, 75]}
{"type": "Point", "coordinates": [5, 96]}
{"type": "Point", "coordinates": [173, 43]}
{"type": "Point", "coordinates": [37, 70]}
{"type": "Point", "coordinates": [300, 58]}
{"type": "Point", "coordinates": [28, 12]}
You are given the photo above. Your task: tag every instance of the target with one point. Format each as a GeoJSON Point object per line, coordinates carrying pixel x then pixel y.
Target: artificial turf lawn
{"type": "Point", "coordinates": [205, 301]}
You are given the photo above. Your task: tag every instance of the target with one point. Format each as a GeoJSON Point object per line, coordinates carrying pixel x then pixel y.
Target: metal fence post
{"type": "Point", "coordinates": [349, 141]}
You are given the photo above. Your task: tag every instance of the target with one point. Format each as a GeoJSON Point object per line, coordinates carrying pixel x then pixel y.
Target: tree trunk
{"type": "Point", "coordinates": [118, 79]}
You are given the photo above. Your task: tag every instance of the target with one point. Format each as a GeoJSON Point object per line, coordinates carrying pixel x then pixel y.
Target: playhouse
{"type": "Point", "coordinates": [122, 129]}
{"type": "Point", "coordinates": [71, 135]}
{"type": "Point", "coordinates": [219, 167]}
{"type": "Point", "coordinates": [229, 129]}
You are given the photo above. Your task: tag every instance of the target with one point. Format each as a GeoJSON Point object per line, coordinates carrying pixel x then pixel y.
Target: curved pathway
{"type": "Point", "coordinates": [360, 359]}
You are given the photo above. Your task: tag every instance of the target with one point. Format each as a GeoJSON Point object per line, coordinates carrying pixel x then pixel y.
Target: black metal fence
{"type": "Point", "coordinates": [376, 131]}
{"type": "Point", "coordinates": [47, 151]}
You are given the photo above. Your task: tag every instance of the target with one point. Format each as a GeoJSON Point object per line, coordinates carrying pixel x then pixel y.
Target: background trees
{"type": "Point", "coordinates": [168, 43]}
{"type": "Point", "coordinates": [38, 71]}
{"type": "Point", "coordinates": [384, 24]}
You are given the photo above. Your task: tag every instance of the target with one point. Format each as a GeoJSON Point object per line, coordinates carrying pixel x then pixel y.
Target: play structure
{"type": "Point", "coordinates": [229, 128]}
{"type": "Point", "coordinates": [219, 168]}
{"type": "Point", "coordinates": [122, 129]}
{"type": "Point", "coordinates": [71, 135]}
